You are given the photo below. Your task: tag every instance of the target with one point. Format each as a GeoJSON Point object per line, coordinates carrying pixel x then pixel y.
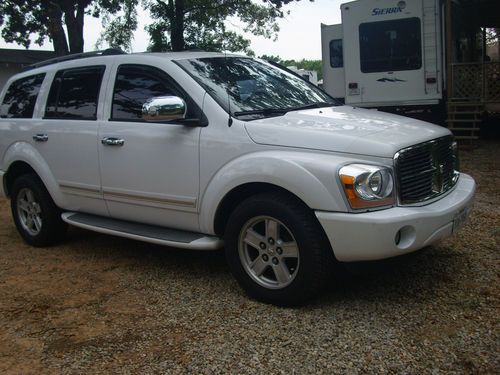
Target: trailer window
{"type": "Point", "coordinates": [336, 54]}
{"type": "Point", "coordinates": [390, 45]}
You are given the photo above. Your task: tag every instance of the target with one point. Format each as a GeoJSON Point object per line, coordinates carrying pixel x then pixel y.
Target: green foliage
{"type": "Point", "coordinates": [62, 21]}
{"type": "Point", "coordinates": [280, 3]}
{"type": "Point", "coordinates": [315, 65]}
{"type": "Point", "coordinates": [21, 19]}
{"type": "Point", "coordinates": [492, 36]}
{"type": "Point", "coordinates": [201, 24]}
{"type": "Point", "coordinates": [178, 24]}
{"type": "Point", "coordinates": [119, 29]}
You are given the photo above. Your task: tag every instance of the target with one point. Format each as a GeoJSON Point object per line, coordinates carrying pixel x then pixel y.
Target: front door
{"type": "Point", "coordinates": [149, 171]}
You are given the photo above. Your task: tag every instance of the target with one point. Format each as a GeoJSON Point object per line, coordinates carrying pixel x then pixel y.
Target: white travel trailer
{"type": "Point", "coordinates": [423, 58]}
{"type": "Point", "coordinates": [385, 53]}
{"type": "Point", "coordinates": [308, 75]}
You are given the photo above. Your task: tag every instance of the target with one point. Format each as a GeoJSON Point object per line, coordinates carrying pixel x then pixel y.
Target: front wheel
{"type": "Point", "coordinates": [277, 250]}
{"type": "Point", "coordinates": [35, 214]}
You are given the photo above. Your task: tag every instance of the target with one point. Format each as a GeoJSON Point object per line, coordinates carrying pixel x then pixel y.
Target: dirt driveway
{"type": "Point", "coordinates": [99, 304]}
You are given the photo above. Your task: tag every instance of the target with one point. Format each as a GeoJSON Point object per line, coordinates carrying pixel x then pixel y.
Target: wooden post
{"type": "Point", "coordinates": [449, 50]}
{"type": "Point", "coordinates": [483, 65]}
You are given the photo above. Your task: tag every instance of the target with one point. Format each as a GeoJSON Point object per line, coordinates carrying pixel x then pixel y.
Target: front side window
{"type": "Point", "coordinates": [336, 54]}
{"type": "Point", "coordinates": [20, 99]}
{"type": "Point", "coordinates": [136, 84]}
{"type": "Point", "coordinates": [388, 46]}
{"type": "Point", "coordinates": [249, 87]}
{"type": "Point", "coordinates": [74, 93]}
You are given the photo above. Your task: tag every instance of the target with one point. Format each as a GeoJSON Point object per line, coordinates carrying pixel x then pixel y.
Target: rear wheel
{"type": "Point", "coordinates": [277, 250]}
{"type": "Point", "coordinates": [37, 218]}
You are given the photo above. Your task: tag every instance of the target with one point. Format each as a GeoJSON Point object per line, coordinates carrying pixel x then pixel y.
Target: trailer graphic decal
{"type": "Point", "coordinates": [381, 11]}
{"type": "Point", "coordinates": [390, 80]}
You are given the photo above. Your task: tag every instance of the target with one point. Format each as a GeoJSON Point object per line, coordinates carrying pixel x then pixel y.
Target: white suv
{"type": "Point", "coordinates": [200, 150]}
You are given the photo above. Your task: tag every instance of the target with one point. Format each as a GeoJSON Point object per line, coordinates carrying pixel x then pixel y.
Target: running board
{"type": "Point", "coordinates": [143, 232]}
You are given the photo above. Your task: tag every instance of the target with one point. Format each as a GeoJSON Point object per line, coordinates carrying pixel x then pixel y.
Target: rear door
{"type": "Point", "coordinates": [66, 137]}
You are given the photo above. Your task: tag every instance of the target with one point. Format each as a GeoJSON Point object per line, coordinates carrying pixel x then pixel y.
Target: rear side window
{"type": "Point", "coordinates": [20, 99]}
{"type": "Point", "coordinates": [74, 93]}
{"type": "Point", "coordinates": [390, 45]}
{"type": "Point", "coordinates": [336, 54]}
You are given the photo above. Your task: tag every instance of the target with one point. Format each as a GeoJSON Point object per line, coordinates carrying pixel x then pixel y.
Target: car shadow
{"type": "Point", "coordinates": [414, 277]}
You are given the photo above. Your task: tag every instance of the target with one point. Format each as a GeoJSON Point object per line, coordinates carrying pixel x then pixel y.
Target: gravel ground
{"type": "Point", "coordinates": [99, 304]}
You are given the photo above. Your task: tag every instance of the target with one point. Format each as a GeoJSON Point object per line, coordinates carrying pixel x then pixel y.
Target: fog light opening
{"type": "Point", "coordinates": [405, 237]}
{"type": "Point", "coordinates": [397, 239]}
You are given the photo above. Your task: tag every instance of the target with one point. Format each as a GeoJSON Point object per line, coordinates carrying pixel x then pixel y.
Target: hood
{"type": "Point", "coordinates": [344, 129]}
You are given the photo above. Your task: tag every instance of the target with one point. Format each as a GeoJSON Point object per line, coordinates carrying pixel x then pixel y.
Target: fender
{"type": "Point", "coordinates": [23, 151]}
{"type": "Point", "coordinates": [311, 177]}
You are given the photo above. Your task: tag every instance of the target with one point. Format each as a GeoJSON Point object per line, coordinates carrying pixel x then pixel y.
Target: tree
{"type": "Point", "coordinates": [315, 65]}
{"type": "Point", "coordinates": [46, 18]}
{"type": "Point", "coordinates": [280, 3]}
{"type": "Point", "coordinates": [492, 36]}
{"type": "Point", "coordinates": [190, 24]}
{"type": "Point", "coordinates": [118, 30]}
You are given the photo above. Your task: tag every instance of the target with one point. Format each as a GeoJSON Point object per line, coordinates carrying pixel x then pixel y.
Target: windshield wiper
{"type": "Point", "coordinates": [265, 112]}
{"type": "Point", "coordinates": [282, 111]}
{"type": "Point", "coordinates": [312, 105]}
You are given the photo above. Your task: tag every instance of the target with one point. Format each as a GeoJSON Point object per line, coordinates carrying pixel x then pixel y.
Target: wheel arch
{"type": "Point", "coordinates": [22, 158]}
{"type": "Point", "coordinates": [308, 179]}
{"type": "Point", "coordinates": [239, 194]}
{"type": "Point", "coordinates": [15, 170]}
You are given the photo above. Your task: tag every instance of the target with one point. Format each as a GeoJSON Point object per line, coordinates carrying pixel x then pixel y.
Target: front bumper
{"type": "Point", "coordinates": [372, 235]}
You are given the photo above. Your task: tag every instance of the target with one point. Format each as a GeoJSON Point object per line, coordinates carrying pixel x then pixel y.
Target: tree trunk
{"type": "Point", "coordinates": [74, 23]}
{"type": "Point", "coordinates": [177, 24]}
{"type": "Point", "coordinates": [56, 30]}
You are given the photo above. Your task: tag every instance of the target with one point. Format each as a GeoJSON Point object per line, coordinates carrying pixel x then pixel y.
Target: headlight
{"type": "Point", "coordinates": [367, 185]}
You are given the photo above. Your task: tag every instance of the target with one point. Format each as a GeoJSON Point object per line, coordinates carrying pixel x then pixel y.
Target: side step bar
{"type": "Point", "coordinates": [143, 232]}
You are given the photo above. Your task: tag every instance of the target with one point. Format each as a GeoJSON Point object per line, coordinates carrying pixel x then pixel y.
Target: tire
{"type": "Point", "coordinates": [37, 218]}
{"type": "Point", "coordinates": [287, 266]}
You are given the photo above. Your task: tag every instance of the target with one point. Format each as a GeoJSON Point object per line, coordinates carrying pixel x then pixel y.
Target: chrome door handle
{"type": "Point", "coordinates": [110, 141]}
{"type": "Point", "coordinates": [41, 138]}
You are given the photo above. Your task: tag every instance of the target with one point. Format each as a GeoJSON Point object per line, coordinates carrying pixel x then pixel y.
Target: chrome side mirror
{"type": "Point", "coordinates": [164, 108]}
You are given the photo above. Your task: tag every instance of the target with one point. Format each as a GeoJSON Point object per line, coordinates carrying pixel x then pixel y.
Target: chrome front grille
{"type": "Point", "coordinates": [426, 170]}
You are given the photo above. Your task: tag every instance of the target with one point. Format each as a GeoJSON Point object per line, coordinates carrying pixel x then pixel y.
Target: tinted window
{"type": "Point", "coordinates": [74, 93]}
{"type": "Point", "coordinates": [390, 45]}
{"type": "Point", "coordinates": [135, 84]}
{"type": "Point", "coordinates": [20, 99]}
{"type": "Point", "coordinates": [336, 54]}
{"type": "Point", "coordinates": [245, 84]}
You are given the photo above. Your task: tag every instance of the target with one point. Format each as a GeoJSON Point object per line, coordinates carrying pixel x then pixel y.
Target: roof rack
{"type": "Point", "coordinates": [75, 56]}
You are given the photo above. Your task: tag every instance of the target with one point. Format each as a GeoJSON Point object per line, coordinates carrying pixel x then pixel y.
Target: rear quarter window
{"type": "Point", "coordinates": [20, 99]}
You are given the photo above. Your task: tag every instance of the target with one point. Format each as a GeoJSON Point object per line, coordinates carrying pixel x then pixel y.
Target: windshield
{"type": "Point", "coordinates": [246, 87]}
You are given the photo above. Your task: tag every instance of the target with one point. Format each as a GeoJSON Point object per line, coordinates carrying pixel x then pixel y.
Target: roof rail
{"type": "Point", "coordinates": [75, 56]}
